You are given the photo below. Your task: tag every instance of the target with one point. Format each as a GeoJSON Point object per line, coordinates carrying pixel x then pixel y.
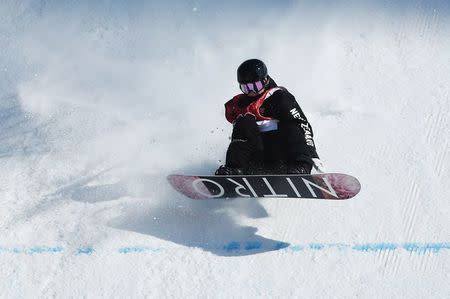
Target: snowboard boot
{"type": "Point", "coordinates": [226, 170]}
{"type": "Point", "coordinates": [298, 168]}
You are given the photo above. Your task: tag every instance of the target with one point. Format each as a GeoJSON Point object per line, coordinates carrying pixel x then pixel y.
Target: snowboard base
{"type": "Point", "coordinates": [330, 186]}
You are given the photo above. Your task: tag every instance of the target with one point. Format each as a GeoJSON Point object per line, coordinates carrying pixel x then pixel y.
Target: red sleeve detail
{"type": "Point", "coordinates": [230, 111]}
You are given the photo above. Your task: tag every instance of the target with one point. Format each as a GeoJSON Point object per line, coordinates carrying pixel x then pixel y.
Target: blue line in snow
{"type": "Point", "coordinates": [253, 245]}
{"type": "Point", "coordinates": [232, 246]}
{"type": "Point", "coordinates": [375, 247]}
{"type": "Point", "coordinates": [425, 247]}
{"type": "Point", "coordinates": [245, 246]}
{"type": "Point", "coordinates": [85, 250]}
{"type": "Point", "coordinates": [296, 247]}
{"type": "Point", "coordinates": [316, 246]}
{"type": "Point", "coordinates": [137, 249]}
{"type": "Point", "coordinates": [44, 249]}
{"type": "Point", "coordinates": [32, 250]}
{"type": "Point", "coordinates": [281, 245]}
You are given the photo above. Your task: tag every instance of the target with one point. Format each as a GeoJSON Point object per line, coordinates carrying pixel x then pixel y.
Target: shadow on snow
{"type": "Point", "coordinates": [210, 225]}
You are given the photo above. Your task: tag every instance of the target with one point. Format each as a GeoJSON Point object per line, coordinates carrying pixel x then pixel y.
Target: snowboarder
{"type": "Point", "coordinates": [271, 134]}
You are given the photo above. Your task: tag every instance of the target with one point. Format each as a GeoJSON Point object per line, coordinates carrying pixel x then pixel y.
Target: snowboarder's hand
{"type": "Point", "coordinates": [318, 165]}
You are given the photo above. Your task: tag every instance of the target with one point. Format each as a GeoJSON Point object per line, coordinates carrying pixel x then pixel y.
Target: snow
{"type": "Point", "coordinates": [100, 102]}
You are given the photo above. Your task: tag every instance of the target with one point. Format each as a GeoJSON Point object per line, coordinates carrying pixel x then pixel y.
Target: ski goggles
{"type": "Point", "coordinates": [253, 86]}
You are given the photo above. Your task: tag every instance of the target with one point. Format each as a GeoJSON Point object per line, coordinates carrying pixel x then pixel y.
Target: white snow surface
{"type": "Point", "coordinates": [100, 102]}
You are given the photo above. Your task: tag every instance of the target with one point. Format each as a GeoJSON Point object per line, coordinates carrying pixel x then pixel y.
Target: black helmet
{"type": "Point", "coordinates": [252, 70]}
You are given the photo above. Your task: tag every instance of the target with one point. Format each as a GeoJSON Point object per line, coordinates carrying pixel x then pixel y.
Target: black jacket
{"type": "Point", "coordinates": [293, 140]}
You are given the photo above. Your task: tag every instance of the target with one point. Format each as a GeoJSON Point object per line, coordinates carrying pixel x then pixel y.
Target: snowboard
{"type": "Point", "coordinates": [330, 186]}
